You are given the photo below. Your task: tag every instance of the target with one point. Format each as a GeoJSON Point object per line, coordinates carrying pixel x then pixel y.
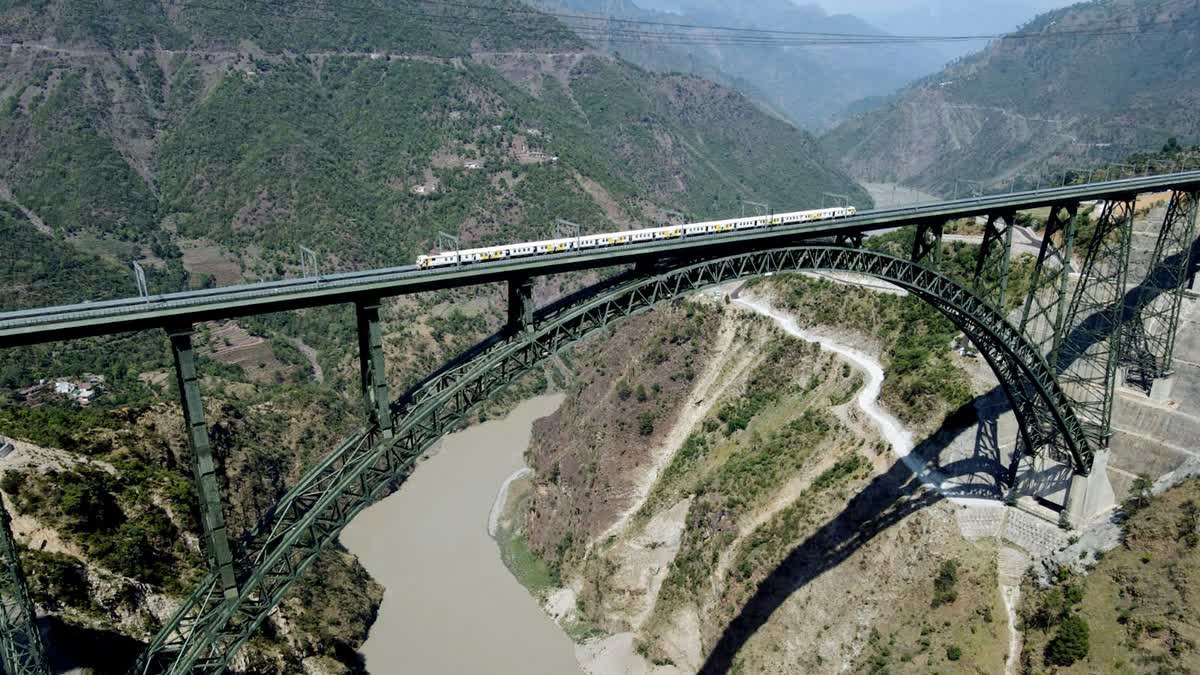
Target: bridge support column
{"type": "Point", "coordinates": [371, 366]}
{"type": "Point", "coordinates": [1046, 302]}
{"type": "Point", "coordinates": [1089, 355]}
{"type": "Point", "coordinates": [21, 650]}
{"type": "Point", "coordinates": [204, 468]}
{"type": "Point", "coordinates": [852, 240]}
{"type": "Point", "coordinates": [520, 304]}
{"type": "Point", "coordinates": [927, 244]}
{"type": "Point", "coordinates": [1090, 495]}
{"type": "Point", "coordinates": [1149, 341]}
{"type": "Point", "coordinates": [995, 252]}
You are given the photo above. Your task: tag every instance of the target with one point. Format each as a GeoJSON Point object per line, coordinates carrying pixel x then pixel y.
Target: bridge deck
{"type": "Point", "coordinates": [117, 316]}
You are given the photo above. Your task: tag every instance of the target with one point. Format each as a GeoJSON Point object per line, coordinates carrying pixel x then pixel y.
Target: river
{"type": "Point", "coordinates": [451, 607]}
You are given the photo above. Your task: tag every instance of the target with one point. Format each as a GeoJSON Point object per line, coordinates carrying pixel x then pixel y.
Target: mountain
{"type": "Point", "coordinates": [809, 85]}
{"type": "Point", "coordinates": [350, 133]}
{"type": "Point", "coordinates": [1089, 83]}
{"type": "Point", "coordinates": [951, 17]}
{"type": "Point", "coordinates": [208, 142]}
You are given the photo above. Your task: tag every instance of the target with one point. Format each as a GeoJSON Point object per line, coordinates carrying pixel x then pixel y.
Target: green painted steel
{"type": "Point", "coordinates": [520, 303]}
{"type": "Point", "coordinates": [927, 243]}
{"type": "Point", "coordinates": [1149, 341]}
{"type": "Point", "coordinates": [371, 367]}
{"type": "Point", "coordinates": [1046, 302]}
{"type": "Point", "coordinates": [21, 649]}
{"type": "Point", "coordinates": [204, 467]}
{"type": "Point", "coordinates": [1090, 352]}
{"type": "Point", "coordinates": [206, 632]}
{"type": "Point", "coordinates": [106, 318]}
{"type": "Point", "coordinates": [994, 257]}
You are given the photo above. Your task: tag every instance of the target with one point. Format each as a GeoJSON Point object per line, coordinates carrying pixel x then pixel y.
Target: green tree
{"type": "Point", "coordinates": [1070, 643]}
{"type": "Point", "coordinates": [1139, 494]}
{"type": "Point", "coordinates": [944, 592]}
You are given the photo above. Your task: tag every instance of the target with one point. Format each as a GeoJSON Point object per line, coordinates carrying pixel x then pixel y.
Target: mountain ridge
{"type": "Point", "coordinates": [1119, 77]}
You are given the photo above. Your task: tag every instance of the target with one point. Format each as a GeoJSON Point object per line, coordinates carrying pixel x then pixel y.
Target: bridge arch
{"type": "Point", "coordinates": [208, 630]}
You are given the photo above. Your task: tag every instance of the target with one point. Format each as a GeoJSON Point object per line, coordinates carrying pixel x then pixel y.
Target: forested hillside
{"type": "Point", "coordinates": [209, 141]}
{"type": "Point", "coordinates": [1091, 82]}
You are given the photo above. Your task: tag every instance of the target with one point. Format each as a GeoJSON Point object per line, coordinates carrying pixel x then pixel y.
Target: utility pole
{"type": "Point", "coordinates": [837, 199]}
{"type": "Point", "coordinates": [139, 277]}
{"type": "Point", "coordinates": [308, 263]}
{"type": "Point", "coordinates": [565, 229]}
{"type": "Point", "coordinates": [448, 242]}
{"type": "Point", "coordinates": [764, 208]}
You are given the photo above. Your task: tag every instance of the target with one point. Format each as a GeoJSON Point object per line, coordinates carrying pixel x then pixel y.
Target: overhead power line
{"type": "Point", "coordinates": [518, 20]}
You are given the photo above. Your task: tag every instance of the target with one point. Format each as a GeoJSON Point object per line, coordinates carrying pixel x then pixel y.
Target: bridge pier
{"type": "Point", "coordinates": [520, 304]}
{"type": "Point", "coordinates": [995, 254]}
{"type": "Point", "coordinates": [21, 650]}
{"type": "Point", "coordinates": [371, 366]}
{"type": "Point", "coordinates": [1090, 495]}
{"type": "Point", "coordinates": [204, 468]}
{"type": "Point", "coordinates": [927, 244]}
{"type": "Point", "coordinates": [1149, 340]}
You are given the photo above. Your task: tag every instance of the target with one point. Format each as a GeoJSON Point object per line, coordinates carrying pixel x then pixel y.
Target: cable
{"type": "Point", "coordinates": [741, 36]}
{"type": "Point", "coordinates": [516, 19]}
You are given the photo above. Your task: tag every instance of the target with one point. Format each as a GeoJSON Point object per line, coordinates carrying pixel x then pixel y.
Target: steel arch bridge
{"type": "Point", "coordinates": [209, 629]}
{"type": "Point", "coordinates": [1057, 364]}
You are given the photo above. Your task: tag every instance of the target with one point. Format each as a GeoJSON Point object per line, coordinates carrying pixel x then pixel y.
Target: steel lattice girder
{"type": "Point", "coordinates": [927, 243]}
{"type": "Point", "coordinates": [1091, 347]}
{"type": "Point", "coordinates": [992, 263]}
{"type": "Point", "coordinates": [1149, 340]}
{"type": "Point", "coordinates": [1046, 302]}
{"type": "Point", "coordinates": [205, 633]}
{"type": "Point", "coordinates": [204, 466]}
{"type": "Point", "coordinates": [21, 650]}
{"type": "Point", "coordinates": [372, 374]}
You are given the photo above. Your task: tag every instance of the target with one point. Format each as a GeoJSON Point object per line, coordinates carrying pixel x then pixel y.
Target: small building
{"type": "Point", "coordinates": [64, 387]}
{"type": "Point", "coordinates": [473, 164]}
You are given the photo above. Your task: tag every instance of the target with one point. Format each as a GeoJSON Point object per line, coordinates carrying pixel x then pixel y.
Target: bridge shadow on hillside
{"type": "Point", "coordinates": [888, 499]}
{"type": "Point", "coordinates": [900, 492]}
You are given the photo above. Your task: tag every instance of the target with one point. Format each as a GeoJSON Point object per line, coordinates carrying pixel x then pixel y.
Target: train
{"type": "Point", "coordinates": [610, 239]}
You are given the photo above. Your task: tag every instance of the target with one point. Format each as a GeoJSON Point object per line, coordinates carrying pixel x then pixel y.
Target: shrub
{"type": "Point", "coordinates": [646, 423]}
{"type": "Point", "coordinates": [953, 652]}
{"type": "Point", "coordinates": [1070, 643]}
{"type": "Point", "coordinates": [11, 483]}
{"type": "Point", "coordinates": [944, 592]}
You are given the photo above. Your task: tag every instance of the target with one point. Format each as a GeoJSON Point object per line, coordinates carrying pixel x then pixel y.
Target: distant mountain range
{"type": "Point", "coordinates": [1093, 82]}
{"type": "Point", "coordinates": [811, 86]}
{"type": "Point", "coordinates": [949, 17]}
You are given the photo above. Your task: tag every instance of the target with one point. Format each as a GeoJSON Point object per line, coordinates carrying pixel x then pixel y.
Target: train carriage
{"type": "Point", "coordinates": [593, 241]}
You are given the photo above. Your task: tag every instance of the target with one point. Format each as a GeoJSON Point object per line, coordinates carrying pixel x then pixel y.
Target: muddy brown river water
{"type": "Point", "coordinates": [451, 606]}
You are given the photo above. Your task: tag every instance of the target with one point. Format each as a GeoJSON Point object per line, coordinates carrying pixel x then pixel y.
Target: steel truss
{"type": "Point", "coordinates": [1042, 317]}
{"type": "Point", "coordinates": [927, 244]}
{"type": "Point", "coordinates": [21, 650]}
{"type": "Point", "coordinates": [992, 263]}
{"type": "Point", "coordinates": [1149, 339]}
{"type": "Point", "coordinates": [207, 631]}
{"type": "Point", "coordinates": [1090, 349]}
{"type": "Point", "coordinates": [1046, 303]}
